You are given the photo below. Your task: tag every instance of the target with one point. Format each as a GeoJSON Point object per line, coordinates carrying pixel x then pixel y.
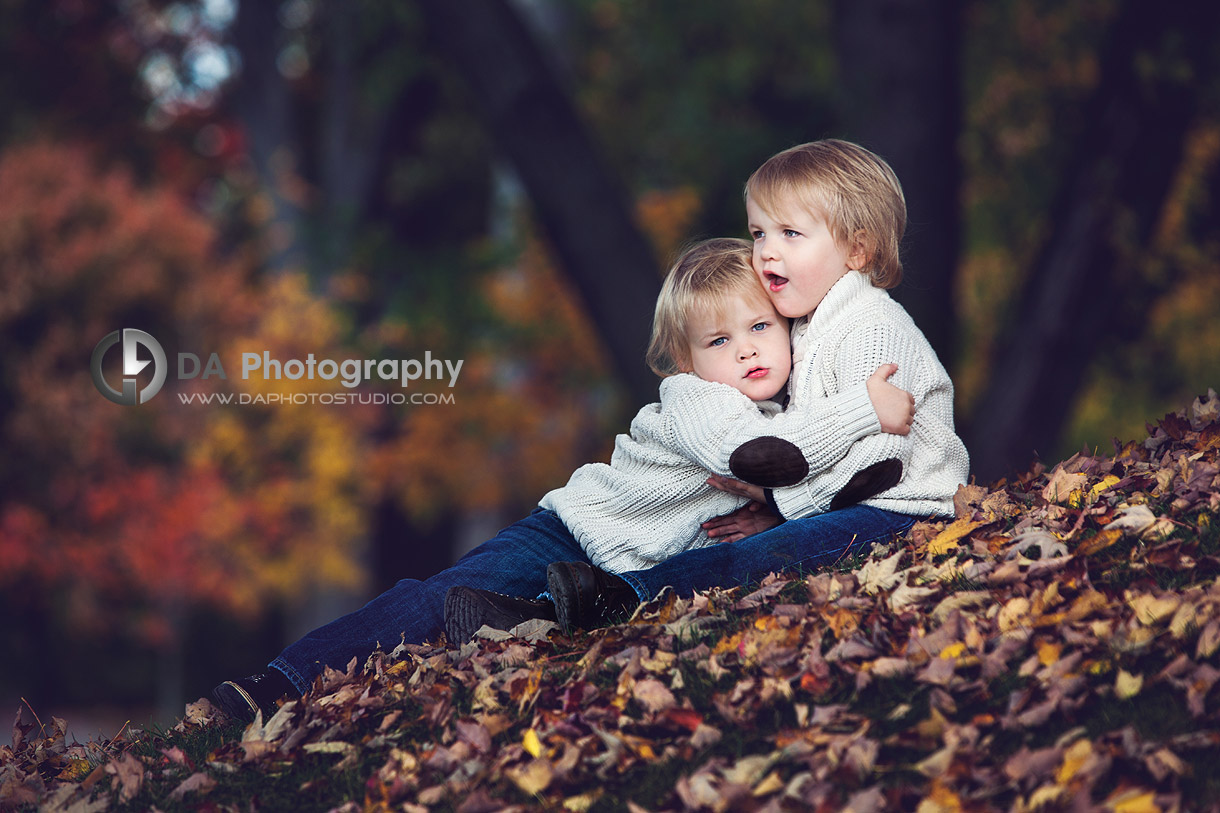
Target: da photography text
{"type": "Point", "coordinates": [350, 372]}
{"type": "Point", "coordinates": [143, 377]}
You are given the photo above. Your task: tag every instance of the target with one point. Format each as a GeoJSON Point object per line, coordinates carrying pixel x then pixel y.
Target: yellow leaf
{"type": "Point", "coordinates": [1127, 685]}
{"type": "Point", "coordinates": [772, 783]}
{"type": "Point", "coordinates": [954, 650]}
{"type": "Point", "coordinates": [531, 743]}
{"type": "Point", "coordinates": [728, 644]}
{"type": "Point", "coordinates": [947, 539]}
{"type": "Point", "coordinates": [1044, 796]}
{"type": "Point", "coordinates": [1048, 652]}
{"type": "Point", "coordinates": [1105, 483]}
{"type": "Point", "coordinates": [1073, 760]}
{"type": "Point", "coordinates": [1103, 540]}
{"type": "Point", "coordinates": [1135, 801]}
{"type": "Point", "coordinates": [940, 800]}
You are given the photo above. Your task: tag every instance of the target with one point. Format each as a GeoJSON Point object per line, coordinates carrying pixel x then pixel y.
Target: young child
{"type": "Point", "coordinates": [712, 321]}
{"type": "Point", "coordinates": [826, 218]}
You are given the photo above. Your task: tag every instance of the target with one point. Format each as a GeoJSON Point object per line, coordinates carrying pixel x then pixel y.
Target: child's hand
{"type": "Point", "coordinates": [728, 484]}
{"type": "Point", "coordinates": [895, 408]}
{"type": "Point", "coordinates": [750, 519]}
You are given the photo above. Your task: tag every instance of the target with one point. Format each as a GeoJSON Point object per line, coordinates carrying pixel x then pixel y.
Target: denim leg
{"type": "Point", "coordinates": [513, 562]}
{"type": "Point", "coordinates": [804, 544]}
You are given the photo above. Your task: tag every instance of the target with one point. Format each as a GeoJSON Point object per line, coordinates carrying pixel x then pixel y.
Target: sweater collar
{"type": "Point", "coordinates": [838, 300]}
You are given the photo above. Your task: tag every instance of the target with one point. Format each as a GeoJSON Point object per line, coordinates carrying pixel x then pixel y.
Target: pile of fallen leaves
{"type": "Point", "coordinates": [1054, 647]}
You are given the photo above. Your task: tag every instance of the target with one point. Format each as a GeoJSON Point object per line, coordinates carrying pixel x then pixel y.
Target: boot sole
{"type": "Point", "coordinates": [466, 611]}
{"type": "Point", "coordinates": [565, 593]}
{"type": "Point", "coordinates": [236, 701]}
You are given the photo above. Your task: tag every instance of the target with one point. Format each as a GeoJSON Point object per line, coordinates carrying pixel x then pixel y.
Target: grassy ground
{"type": "Point", "coordinates": [1054, 647]}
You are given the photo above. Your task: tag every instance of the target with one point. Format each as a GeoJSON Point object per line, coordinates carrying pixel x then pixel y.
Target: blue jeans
{"type": "Point", "coordinates": [515, 562]}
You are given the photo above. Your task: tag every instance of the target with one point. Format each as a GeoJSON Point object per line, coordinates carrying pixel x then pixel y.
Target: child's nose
{"type": "Point", "coordinates": [746, 351]}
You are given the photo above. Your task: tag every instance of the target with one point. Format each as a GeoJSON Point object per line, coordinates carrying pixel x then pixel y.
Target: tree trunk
{"type": "Point", "coordinates": [581, 207]}
{"type": "Point", "coordinates": [353, 134]}
{"type": "Point", "coordinates": [262, 100]}
{"type": "Point", "coordinates": [1114, 189]}
{"type": "Point", "coordinates": [899, 64]}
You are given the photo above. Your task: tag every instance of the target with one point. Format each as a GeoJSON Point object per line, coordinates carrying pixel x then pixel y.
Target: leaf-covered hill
{"type": "Point", "coordinates": [1052, 648]}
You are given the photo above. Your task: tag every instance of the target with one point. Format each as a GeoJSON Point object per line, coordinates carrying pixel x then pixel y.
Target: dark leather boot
{"type": "Point", "coordinates": [468, 608]}
{"type": "Point", "coordinates": [586, 596]}
{"type": "Point", "coordinates": [243, 698]}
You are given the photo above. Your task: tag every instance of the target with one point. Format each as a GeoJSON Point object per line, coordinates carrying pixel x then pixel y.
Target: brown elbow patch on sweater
{"type": "Point", "coordinates": [768, 462]}
{"type": "Point", "coordinates": [868, 483]}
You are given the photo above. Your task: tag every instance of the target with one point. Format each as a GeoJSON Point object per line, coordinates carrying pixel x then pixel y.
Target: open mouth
{"type": "Point", "coordinates": [758, 372]}
{"type": "Point", "coordinates": [775, 281]}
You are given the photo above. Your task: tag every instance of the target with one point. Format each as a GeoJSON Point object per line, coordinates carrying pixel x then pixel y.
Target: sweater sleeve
{"type": "Point", "coordinates": [863, 350]}
{"type": "Point", "coordinates": [718, 428]}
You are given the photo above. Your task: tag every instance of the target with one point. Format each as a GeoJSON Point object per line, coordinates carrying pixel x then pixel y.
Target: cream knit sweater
{"type": "Point", "coordinates": [855, 329]}
{"type": "Point", "coordinates": [648, 503]}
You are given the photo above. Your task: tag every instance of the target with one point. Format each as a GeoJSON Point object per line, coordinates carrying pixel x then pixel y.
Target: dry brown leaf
{"type": "Point", "coordinates": [653, 695]}
{"type": "Point", "coordinates": [195, 783]}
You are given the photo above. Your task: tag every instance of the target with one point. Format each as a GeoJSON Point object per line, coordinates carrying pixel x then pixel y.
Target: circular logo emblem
{"type": "Point", "coordinates": [132, 365]}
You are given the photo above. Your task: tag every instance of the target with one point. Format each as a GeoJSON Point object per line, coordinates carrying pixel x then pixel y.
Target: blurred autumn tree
{"type": "Point", "coordinates": [116, 523]}
{"type": "Point", "coordinates": [115, 519]}
{"type": "Point", "coordinates": [1091, 223]}
{"type": "Point", "coordinates": [1011, 124]}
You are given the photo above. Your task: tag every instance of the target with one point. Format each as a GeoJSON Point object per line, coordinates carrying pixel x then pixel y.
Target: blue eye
{"type": "Point", "coordinates": [717, 342]}
{"type": "Point", "coordinates": [761, 326]}
{"type": "Point", "coordinates": [757, 234]}
{"type": "Point", "coordinates": [791, 233]}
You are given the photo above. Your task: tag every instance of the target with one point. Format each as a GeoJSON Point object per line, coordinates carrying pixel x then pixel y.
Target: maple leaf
{"type": "Point", "coordinates": [1134, 519]}
{"type": "Point", "coordinates": [1061, 484]}
{"type": "Point", "coordinates": [877, 575]}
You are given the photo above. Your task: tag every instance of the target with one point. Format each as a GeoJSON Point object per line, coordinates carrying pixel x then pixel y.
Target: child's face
{"type": "Point", "coordinates": [796, 257]}
{"type": "Point", "coordinates": [745, 347]}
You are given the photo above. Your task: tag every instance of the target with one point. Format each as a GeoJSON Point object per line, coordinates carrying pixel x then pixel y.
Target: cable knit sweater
{"type": "Point", "coordinates": [830, 420]}
{"type": "Point", "coordinates": [648, 503]}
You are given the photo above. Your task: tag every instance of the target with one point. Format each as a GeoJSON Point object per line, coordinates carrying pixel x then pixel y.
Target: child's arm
{"type": "Point", "coordinates": [920, 373]}
{"type": "Point", "coordinates": [720, 429]}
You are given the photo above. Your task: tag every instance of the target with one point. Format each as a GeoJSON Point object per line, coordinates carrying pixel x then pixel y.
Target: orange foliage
{"type": "Point", "coordinates": [121, 512]}
{"type": "Point", "coordinates": [118, 508]}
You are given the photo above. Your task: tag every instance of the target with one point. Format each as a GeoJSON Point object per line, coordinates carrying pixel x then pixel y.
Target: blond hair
{"type": "Point", "coordinates": [856, 192]}
{"type": "Point", "coordinates": [703, 279]}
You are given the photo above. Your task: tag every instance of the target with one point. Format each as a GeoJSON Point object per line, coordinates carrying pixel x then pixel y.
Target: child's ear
{"type": "Point", "coordinates": [859, 251]}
